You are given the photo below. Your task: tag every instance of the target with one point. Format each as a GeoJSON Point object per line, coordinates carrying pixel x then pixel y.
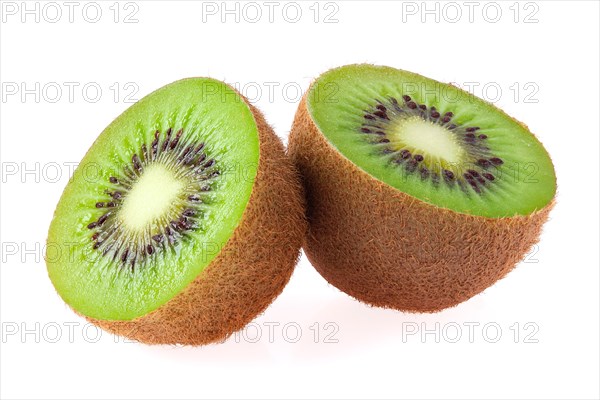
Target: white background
{"type": "Point", "coordinates": [551, 300]}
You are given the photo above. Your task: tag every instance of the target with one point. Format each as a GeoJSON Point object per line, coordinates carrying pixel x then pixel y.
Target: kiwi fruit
{"type": "Point", "coordinates": [183, 221]}
{"type": "Point", "coordinates": [419, 195]}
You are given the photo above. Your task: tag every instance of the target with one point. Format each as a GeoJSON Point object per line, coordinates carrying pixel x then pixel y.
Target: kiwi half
{"type": "Point", "coordinates": [419, 195]}
{"type": "Point", "coordinates": [183, 221]}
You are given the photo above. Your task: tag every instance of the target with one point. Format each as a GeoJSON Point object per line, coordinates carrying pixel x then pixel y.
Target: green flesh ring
{"type": "Point", "coordinates": [208, 191]}
{"type": "Point", "coordinates": [432, 141]}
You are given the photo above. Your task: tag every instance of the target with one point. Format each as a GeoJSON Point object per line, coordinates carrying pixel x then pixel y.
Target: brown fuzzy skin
{"type": "Point", "coordinates": [389, 249]}
{"type": "Point", "coordinates": [249, 272]}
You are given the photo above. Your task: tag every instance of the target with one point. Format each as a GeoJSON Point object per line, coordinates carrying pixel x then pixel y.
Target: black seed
{"type": "Point", "coordinates": [473, 172]}
{"type": "Point", "coordinates": [448, 175]}
{"type": "Point", "coordinates": [469, 139]}
{"type": "Point", "coordinates": [411, 166]}
{"type": "Point", "coordinates": [451, 126]}
{"type": "Point", "coordinates": [449, 114]}
{"type": "Point", "coordinates": [117, 195]}
{"type": "Point", "coordinates": [205, 188]}
{"type": "Point", "coordinates": [99, 204]}
{"type": "Point", "coordinates": [95, 236]}
{"type": "Point", "coordinates": [92, 225]}
{"type": "Point", "coordinates": [114, 180]}
{"type": "Point", "coordinates": [412, 105]}
{"type": "Point", "coordinates": [201, 158]}
{"type": "Point", "coordinates": [480, 180]}
{"type": "Point", "coordinates": [418, 157]}
{"type": "Point", "coordinates": [125, 254]}
{"type": "Point", "coordinates": [424, 173]}
{"type": "Point", "coordinates": [110, 204]}
{"type": "Point", "coordinates": [449, 181]}
{"type": "Point", "coordinates": [174, 225]}
{"type": "Point", "coordinates": [115, 254]}
{"type": "Point", "coordinates": [200, 147]}
{"type": "Point", "coordinates": [380, 133]}
{"type": "Point", "coordinates": [406, 98]}
{"type": "Point", "coordinates": [97, 244]}
{"type": "Point", "coordinates": [488, 176]}
{"type": "Point", "coordinates": [470, 135]}
{"type": "Point", "coordinates": [482, 162]}
{"type": "Point", "coordinates": [170, 235]}
{"type": "Point", "coordinates": [136, 162]}
{"type": "Point", "coordinates": [176, 140]}
{"type": "Point", "coordinates": [474, 185]}
{"type": "Point", "coordinates": [149, 249]}
{"type": "Point", "coordinates": [157, 238]}
{"type": "Point", "coordinates": [193, 198]}
{"type": "Point", "coordinates": [381, 107]}
{"type": "Point", "coordinates": [468, 176]}
{"type": "Point", "coordinates": [213, 174]}
{"type": "Point", "coordinates": [381, 114]}
{"type": "Point", "coordinates": [422, 106]}
{"type": "Point", "coordinates": [472, 128]}
{"type": "Point", "coordinates": [435, 114]}
{"type": "Point", "coordinates": [189, 156]}
{"type": "Point", "coordinates": [166, 142]}
{"type": "Point", "coordinates": [185, 152]}
{"type": "Point", "coordinates": [189, 212]}
{"type": "Point", "coordinates": [405, 154]}
{"type": "Point", "coordinates": [103, 219]}
{"type": "Point", "coordinates": [209, 163]}
{"type": "Point", "coordinates": [482, 136]}
{"type": "Point", "coordinates": [197, 161]}
{"type": "Point", "coordinates": [387, 151]}
{"type": "Point", "coordinates": [394, 101]}
{"type": "Point", "coordinates": [445, 119]}
{"type": "Point", "coordinates": [384, 141]}
{"type": "Point", "coordinates": [365, 130]}
{"type": "Point", "coordinates": [183, 224]}
{"type": "Point", "coordinates": [369, 116]}
{"type": "Point", "coordinates": [496, 161]}
{"type": "Point", "coordinates": [399, 160]}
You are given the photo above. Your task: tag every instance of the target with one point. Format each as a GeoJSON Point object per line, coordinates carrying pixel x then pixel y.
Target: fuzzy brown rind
{"type": "Point", "coordinates": [248, 273]}
{"type": "Point", "coordinates": [389, 249]}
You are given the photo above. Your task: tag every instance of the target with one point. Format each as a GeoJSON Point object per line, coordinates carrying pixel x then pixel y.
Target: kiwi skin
{"type": "Point", "coordinates": [251, 269]}
{"type": "Point", "coordinates": [389, 249]}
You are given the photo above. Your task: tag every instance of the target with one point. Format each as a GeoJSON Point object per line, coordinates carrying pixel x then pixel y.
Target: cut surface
{"type": "Point", "coordinates": [432, 141]}
{"type": "Point", "coordinates": [154, 200]}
